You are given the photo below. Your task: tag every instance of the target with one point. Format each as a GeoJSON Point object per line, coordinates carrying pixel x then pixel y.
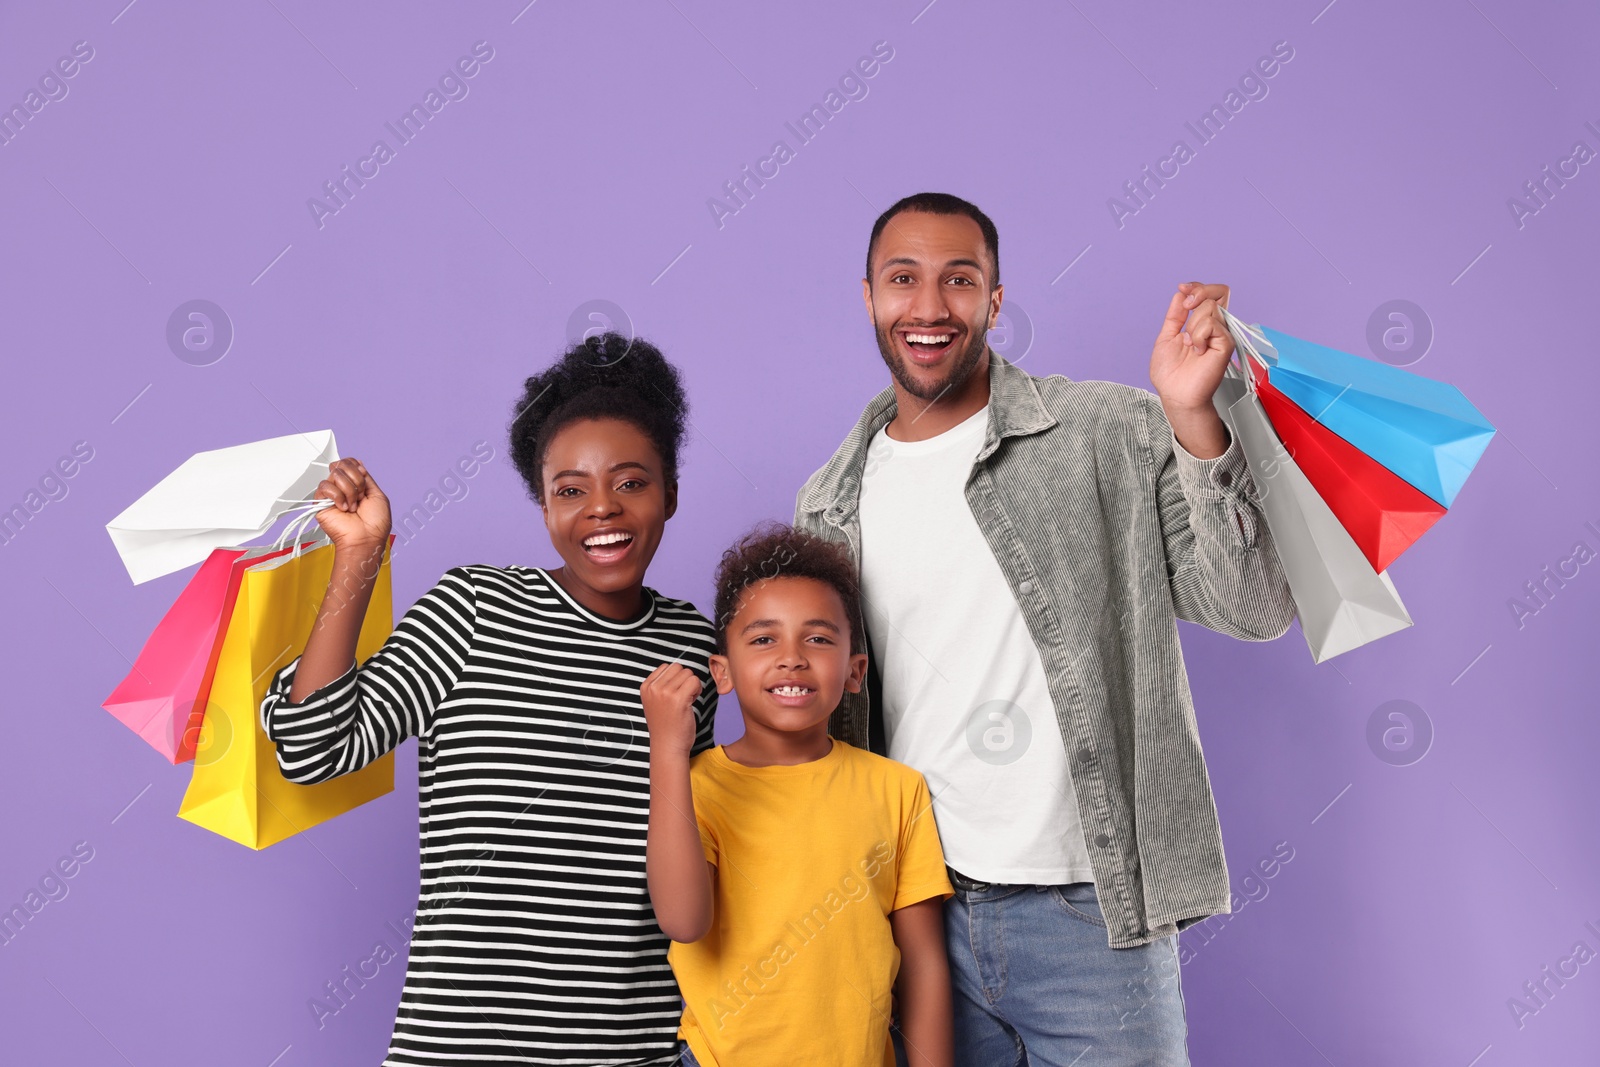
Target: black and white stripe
{"type": "Point", "coordinates": [535, 942]}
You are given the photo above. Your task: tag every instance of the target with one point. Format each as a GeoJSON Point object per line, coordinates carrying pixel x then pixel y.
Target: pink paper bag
{"type": "Point", "coordinates": [163, 699]}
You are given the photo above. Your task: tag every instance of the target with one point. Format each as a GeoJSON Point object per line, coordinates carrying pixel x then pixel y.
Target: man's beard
{"type": "Point", "coordinates": [966, 361]}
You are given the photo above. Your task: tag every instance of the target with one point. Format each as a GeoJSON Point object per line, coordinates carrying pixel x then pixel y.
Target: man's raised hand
{"type": "Point", "coordinates": [1193, 348]}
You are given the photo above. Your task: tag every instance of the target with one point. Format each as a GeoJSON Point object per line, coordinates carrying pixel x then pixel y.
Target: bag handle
{"type": "Point", "coordinates": [1245, 339]}
{"type": "Point", "coordinates": [304, 514]}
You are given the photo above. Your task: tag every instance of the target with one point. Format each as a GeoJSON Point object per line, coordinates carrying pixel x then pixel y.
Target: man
{"type": "Point", "coordinates": [1026, 546]}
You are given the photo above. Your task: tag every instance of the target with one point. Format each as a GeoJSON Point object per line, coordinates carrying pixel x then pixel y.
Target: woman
{"type": "Point", "coordinates": [534, 941]}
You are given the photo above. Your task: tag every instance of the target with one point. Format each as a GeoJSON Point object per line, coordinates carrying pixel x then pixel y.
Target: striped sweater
{"type": "Point", "coordinates": [535, 941]}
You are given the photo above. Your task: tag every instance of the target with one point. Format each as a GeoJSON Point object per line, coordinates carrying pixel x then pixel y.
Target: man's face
{"type": "Point", "coordinates": [932, 300]}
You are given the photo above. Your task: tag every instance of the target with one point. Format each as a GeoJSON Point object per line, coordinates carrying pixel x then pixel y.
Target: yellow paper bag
{"type": "Point", "coordinates": [237, 789]}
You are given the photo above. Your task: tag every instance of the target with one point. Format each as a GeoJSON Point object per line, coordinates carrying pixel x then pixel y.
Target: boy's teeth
{"type": "Point", "coordinates": [789, 690]}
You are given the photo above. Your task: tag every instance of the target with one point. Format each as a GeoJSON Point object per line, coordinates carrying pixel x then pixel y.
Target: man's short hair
{"type": "Point", "coordinates": [939, 204]}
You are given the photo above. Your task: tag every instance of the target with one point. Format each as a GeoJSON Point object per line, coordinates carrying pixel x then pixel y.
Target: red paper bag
{"type": "Point", "coordinates": [1383, 512]}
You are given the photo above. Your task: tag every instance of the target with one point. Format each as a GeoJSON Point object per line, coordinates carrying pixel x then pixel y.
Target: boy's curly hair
{"type": "Point", "coordinates": [777, 550]}
{"type": "Point", "coordinates": [606, 376]}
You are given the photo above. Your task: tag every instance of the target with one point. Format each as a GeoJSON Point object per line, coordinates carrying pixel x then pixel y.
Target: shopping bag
{"type": "Point", "coordinates": [163, 699]}
{"type": "Point", "coordinates": [227, 496]}
{"type": "Point", "coordinates": [1342, 602]}
{"type": "Point", "coordinates": [1383, 512]}
{"type": "Point", "coordinates": [1423, 430]}
{"type": "Point", "coordinates": [237, 789]}
{"type": "Point", "coordinates": [294, 533]}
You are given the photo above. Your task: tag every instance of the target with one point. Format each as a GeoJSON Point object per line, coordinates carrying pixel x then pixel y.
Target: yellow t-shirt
{"type": "Point", "coordinates": [800, 962]}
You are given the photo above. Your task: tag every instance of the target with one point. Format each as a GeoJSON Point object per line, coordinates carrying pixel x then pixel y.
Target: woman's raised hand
{"type": "Point", "coordinates": [359, 517]}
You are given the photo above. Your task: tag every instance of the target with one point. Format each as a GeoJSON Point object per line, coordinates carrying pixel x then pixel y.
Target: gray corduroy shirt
{"type": "Point", "coordinates": [1108, 532]}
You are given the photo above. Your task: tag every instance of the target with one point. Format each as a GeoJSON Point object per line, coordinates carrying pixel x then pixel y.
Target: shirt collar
{"type": "Point", "coordinates": [1015, 409]}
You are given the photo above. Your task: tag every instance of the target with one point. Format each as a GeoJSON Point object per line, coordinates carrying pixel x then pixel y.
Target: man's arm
{"type": "Point", "coordinates": [923, 986]}
{"type": "Point", "coordinates": [1224, 571]}
{"type": "Point", "coordinates": [1223, 568]}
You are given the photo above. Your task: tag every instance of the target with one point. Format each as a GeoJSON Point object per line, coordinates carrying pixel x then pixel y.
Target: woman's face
{"type": "Point", "coordinates": [606, 502]}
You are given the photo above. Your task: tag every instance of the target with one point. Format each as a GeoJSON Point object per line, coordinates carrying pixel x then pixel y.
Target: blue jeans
{"type": "Point", "coordinates": [1034, 982]}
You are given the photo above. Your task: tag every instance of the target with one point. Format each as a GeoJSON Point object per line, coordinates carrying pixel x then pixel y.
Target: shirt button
{"type": "Point", "coordinates": [1025, 588]}
{"type": "Point", "coordinates": [1224, 478]}
{"type": "Point", "coordinates": [1084, 755]}
{"type": "Point", "coordinates": [1102, 840]}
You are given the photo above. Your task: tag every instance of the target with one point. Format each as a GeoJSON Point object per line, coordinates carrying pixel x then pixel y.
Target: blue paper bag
{"type": "Point", "coordinates": [1425, 431]}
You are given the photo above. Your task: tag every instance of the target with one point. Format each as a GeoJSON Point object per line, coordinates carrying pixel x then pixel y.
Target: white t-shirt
{"type": "Point", "coordinates": [964, 694]}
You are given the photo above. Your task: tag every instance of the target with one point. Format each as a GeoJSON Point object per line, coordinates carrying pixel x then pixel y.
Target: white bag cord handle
{"type": "Point", "coordinates": [1244, 338]}
{"type": "Point", "coordinates": [304, 514]}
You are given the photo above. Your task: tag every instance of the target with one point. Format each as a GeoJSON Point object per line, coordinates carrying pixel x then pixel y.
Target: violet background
{"type": "Point", "coordinates": [1420, 897]}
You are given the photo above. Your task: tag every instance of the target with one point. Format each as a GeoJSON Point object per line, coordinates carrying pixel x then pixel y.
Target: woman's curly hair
{"type": "Point", "coordinates": [776, 550]}
{"type": "Point", "coordinates": [607, 376]}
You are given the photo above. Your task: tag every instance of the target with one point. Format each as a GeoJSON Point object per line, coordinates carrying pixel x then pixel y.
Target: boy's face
{"type": "Point", "coordinates": [603, 481]}
{"type": "Point", "coordinates": [789, 655]}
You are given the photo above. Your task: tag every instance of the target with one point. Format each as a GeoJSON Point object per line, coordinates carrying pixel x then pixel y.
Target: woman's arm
{"type": "Point", "coordinates": [325, 716]}
{"type": "Point", "coordinates": [394, 694]}
{"type": "Point", "coordinates": [358, 525]}
{"type": "Point", "coordinates": [923, 987]}
{"type": "Point", "coordinates": [331, 648]}
{"type": "Point", "coordinates": [679, 875]}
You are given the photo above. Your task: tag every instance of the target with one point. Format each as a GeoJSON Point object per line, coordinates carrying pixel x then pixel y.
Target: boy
{"type": "Point", "coordinates": [801, 879]}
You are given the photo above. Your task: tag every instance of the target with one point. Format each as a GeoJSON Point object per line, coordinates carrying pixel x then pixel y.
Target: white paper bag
{"type": "Point", "coordinates": [223, 497]}
{"type": "Point", "coordinates": [1341, 601]}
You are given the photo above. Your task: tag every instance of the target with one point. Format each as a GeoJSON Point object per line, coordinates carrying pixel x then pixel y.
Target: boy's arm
{"type": "Point", "coordinates": [676, 869]}
{"type": "Point", "coordinates": [923, 986]}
